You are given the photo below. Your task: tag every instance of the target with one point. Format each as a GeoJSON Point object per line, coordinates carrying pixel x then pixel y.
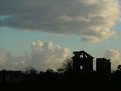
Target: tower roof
{"type": "Point", "coordinates": [82, 54]}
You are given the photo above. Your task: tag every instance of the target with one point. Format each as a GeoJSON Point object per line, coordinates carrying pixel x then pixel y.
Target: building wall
{"type": "Point", "coordinates": [103, 67]}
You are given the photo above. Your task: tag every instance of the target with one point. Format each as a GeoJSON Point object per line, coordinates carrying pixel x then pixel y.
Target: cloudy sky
{"type": "Point", "coordinates": [42, 33]}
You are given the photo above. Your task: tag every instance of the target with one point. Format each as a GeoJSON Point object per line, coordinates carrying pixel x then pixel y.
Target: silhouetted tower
{"type": "Point", "coordinates": [103, 67]}
{"type": "Point", "coordinates": [82, 61]}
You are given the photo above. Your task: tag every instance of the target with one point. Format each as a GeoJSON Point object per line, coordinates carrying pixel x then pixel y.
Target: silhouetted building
{"type": "Point", "coordinates": [82, 61]}
{"type": "Point", "coordinates": [103, 67]}
{"type": "Point", "coordinates": [10, 76]}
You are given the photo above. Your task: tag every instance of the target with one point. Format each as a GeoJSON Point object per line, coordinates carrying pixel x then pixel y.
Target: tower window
{"type": "Point", "coordinates": [81, 67]}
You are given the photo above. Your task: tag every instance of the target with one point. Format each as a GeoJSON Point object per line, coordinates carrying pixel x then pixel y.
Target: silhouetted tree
{"type": "Point", "coordinates": [119, 67]}
{"type": "Point", "coordinates": [31, 70]}
{"type": "Point", "coordinates": [66, 70]}
{"type": "Point", "coordinates": [66, 66]}
{"type": "Point", "coordinates": [49, 71]}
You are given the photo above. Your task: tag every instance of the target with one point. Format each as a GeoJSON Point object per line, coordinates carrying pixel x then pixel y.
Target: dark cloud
{"type": "Point", "coordinates": [87, 18]}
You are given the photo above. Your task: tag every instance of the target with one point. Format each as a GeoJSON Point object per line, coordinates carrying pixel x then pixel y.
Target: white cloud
{"type": "Point", "coordinates": [115, 57]}
{"type": "Point", "coordinates": [8, 61]}
{"type": "Point", "coordinates": [44, 55]}
{"type": "Point", "coordinates": [48, 55]}
{"type": "Point", "coordinates": [93, 20]}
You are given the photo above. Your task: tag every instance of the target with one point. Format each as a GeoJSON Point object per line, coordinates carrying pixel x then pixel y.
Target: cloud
{"type": "Point", "coordinates": [44, 55]}
{"type": "Point", "coordinates": [3, 18]}
{"type": "Point", "coordinates": [93, 20]}
{"type": "Point", "coordinates": [115, 57]}
{"type": "Point", "coordinates": [2, 57]}
{"type": "Point", "coordinates": [8, 61]}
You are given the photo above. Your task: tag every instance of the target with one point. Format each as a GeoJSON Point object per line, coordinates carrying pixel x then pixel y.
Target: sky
{"type": "Point", "coordinates": [43, 33]}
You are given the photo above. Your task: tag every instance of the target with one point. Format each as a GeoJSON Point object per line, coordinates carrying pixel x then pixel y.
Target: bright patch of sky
{"type": "Point", "coordinates": [19, 42]}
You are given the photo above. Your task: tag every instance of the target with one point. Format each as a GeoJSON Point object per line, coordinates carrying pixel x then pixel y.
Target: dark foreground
{"type": "Point", "coordinates": [63, 84]}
